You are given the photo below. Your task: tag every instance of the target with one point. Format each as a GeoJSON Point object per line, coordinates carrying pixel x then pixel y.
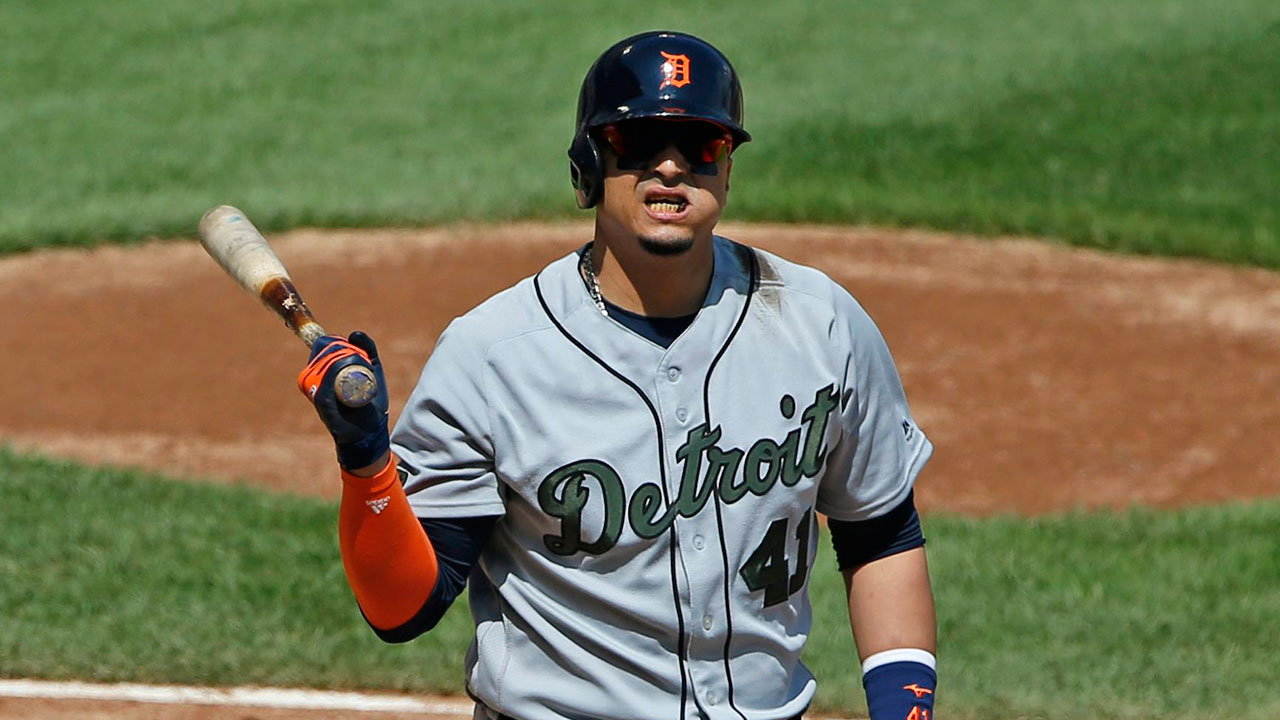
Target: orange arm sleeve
{"type": "Point", "coordinates": [389, 561]}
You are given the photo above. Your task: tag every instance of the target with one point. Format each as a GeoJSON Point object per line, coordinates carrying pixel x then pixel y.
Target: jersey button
{"type": "Point", "coordinates": [707, 622]}
{"type": "Point", "coordinates": [699, 542]}
{"type": "Point", "coordinates": [682, 414]}
{"type": "Point", "coordinates": [673, 374]}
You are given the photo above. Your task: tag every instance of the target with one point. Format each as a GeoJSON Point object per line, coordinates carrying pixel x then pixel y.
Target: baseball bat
{"type": "Point", "coordinates": [242, 251]}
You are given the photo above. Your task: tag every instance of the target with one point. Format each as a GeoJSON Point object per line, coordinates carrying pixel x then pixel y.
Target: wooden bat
{"type": "Point", "coordinates": [244, 254]}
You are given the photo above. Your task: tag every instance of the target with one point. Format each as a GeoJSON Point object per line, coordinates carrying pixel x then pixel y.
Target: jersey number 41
{"type": "Point", "coordinates": [768, 569]}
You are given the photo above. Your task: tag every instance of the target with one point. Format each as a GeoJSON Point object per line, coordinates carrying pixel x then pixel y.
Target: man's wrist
{"type": "Point", "coordinates": [367, 450]}
{"type": "Point", "coordinates": [900, 684]}
{"type": "Point", "coordinates": [371, 469]}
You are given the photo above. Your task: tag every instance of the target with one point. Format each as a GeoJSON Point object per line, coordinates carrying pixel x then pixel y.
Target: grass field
{"type": "Point", "coordinates": [1151, 127]}
{"type": "Point", "coordinates": [109, 575]}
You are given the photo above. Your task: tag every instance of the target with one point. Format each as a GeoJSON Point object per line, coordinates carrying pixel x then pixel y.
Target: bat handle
{"type": "Point", "coordinates": [355, 386]}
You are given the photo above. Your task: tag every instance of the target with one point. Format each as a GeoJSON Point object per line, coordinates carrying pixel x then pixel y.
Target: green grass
{"type": "Point", "coordinates": [1148, 127]}
{"type": "Point", "coordinates": [1168, 150]}
{"type": "Point", "coordinates": [108, 575]}
{"type": "Point", "coordinates": [1098, 615]}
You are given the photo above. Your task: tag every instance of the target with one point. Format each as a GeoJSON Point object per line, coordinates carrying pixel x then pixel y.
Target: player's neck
{"type": "Point", "coordinates": [637, 280]}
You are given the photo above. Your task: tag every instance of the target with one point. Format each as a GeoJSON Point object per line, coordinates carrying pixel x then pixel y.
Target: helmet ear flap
{"type": "Point", "coordinates": [586, 169]}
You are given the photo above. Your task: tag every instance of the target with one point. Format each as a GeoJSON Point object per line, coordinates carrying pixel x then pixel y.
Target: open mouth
{"type": "Point", "coordinates": [666, 205]}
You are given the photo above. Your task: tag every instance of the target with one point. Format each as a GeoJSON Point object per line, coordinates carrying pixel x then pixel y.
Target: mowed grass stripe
{"type": "Point", "coordinates": [115, 576]}
{"type": "Point", "coordinates": [1150, 126]}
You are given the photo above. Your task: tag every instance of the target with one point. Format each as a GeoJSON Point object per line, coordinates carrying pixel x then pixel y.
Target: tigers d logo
{"type": "Point", "coordinates": [675, 70]}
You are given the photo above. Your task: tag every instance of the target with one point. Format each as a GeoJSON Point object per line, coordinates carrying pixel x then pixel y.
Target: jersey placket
{"type": "Point", "coordinates": [672, 384]}
{"type": "Point", "coordinates": [697, 538]}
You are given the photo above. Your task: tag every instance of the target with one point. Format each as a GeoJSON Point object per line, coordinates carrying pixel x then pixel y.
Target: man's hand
{"type": "Point", "coordinates": [360, 434]}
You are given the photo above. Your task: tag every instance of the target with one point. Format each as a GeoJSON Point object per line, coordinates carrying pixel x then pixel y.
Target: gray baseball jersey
{"type": "Point", "coordinates": [658, 529]}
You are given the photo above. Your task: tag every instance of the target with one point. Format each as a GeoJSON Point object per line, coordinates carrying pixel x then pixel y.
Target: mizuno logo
{"type": "Point", "coordinates": [919, 691]}
{"type": "Point", "coordinates": [377, 506]}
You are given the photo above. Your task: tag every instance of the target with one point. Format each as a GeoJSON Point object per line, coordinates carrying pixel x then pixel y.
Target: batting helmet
{"type": "Point", "coordinates": [654, 74]}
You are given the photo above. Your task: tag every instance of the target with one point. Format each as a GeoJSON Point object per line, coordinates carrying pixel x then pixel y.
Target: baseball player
{"type": "Point", "coordinates": [624, 454]}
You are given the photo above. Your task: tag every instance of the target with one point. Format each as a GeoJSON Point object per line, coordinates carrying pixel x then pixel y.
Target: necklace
{"type": "Point", "coordinates": [589, 277]}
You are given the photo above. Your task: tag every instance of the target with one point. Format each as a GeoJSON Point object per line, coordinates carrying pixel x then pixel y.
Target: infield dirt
{"type": "Point", "coordinates": [1047, 377]}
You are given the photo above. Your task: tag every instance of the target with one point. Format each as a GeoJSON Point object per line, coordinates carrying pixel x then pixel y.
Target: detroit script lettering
{"type": "Point", "coordinates": [732, 473]}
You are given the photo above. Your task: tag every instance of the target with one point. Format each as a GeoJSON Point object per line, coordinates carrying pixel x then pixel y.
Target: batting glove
{"type": "Point", "coordinates": [360, 434]}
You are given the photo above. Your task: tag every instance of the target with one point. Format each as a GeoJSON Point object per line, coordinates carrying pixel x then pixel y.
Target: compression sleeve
{"type": "Point", "coordinates": [458, 543]}
{"type": "Point", "coordinates": [390, 564]}
{"type": "Point", "coordinates": [858, 543]}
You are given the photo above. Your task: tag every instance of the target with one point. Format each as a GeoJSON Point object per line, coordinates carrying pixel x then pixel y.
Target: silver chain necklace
{"type": "Point", "coordinates": [589, 277]}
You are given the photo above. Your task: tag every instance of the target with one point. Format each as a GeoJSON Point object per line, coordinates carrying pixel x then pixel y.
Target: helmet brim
{"type": "Point", "coordinates": [657, 108]}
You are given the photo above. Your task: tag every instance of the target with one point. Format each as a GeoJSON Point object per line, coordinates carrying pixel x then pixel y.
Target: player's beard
{"type": "Point", "coordinates": [666, 246]}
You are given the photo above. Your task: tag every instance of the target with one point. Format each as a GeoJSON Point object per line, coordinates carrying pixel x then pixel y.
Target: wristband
{"type": "Point", "coordinates": [900, 684]}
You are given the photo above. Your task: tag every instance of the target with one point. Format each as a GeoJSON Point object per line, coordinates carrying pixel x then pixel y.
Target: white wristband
{"type": "Point", "coordinates": [924, 657]}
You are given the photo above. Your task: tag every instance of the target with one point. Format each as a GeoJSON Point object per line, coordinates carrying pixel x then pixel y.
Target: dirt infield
{"type": "Point", "coordinates": [1047, 377]}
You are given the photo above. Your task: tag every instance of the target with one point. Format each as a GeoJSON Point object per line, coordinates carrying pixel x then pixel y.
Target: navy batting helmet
{"type": "Point", "coordinates": [657, 74]}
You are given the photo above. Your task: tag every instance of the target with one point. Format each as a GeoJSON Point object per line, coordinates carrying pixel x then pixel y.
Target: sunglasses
{"type": "Point", "coordinates": [638, 142]}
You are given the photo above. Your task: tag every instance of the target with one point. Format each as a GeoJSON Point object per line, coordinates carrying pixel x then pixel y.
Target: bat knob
{"type": "Point", "coordinates": [355, 386]}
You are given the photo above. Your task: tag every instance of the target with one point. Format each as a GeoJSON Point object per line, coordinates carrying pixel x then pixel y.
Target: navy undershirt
{"type": "Point", "coordinates": [662, 331]}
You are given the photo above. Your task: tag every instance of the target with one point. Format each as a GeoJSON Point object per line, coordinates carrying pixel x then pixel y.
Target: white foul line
{"type": "Point", "coordinates": [242, 696]}
{"type": "Point", "coordinates": [284, 698]}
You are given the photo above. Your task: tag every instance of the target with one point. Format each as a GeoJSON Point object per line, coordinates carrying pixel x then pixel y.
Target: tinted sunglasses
{"type": "Point", "coordinates": [638, 142]}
